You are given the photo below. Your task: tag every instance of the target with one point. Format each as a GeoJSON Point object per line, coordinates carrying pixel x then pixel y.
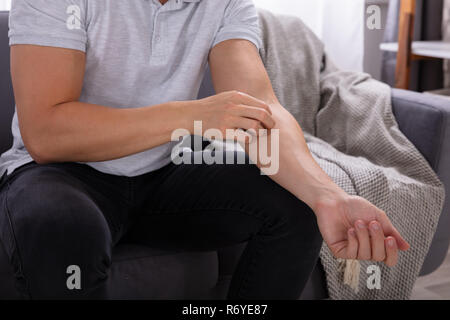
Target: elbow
{"type": "Point", "coordinates": [39, 133]}
{"type": "Point", "coordinates": [39, 154]}
{"type": "Point", "coordinates": [40, 158]}
{"type": "Point", "coordinates": [39, 149]}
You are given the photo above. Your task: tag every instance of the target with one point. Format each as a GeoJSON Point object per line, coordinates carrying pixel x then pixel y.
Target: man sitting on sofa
{"type": "Point", "coordinates": [100, 87]}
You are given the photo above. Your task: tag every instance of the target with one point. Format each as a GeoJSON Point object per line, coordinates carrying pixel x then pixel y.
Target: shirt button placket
{"type": "Point", "coordinates": [155, 34]}
{"type": "Point", "coordinates": [157, 41]}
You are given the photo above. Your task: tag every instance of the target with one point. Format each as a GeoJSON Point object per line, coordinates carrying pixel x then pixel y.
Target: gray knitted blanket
{"type": "Point", "coordinates": [352, 132]}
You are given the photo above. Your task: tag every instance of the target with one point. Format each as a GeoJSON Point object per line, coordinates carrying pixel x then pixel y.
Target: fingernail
{"type": "Point", "coordinates": [361, 225]}
{"type": "Point", "coordinates": [375, 226]}
{"type": "Point", "coordinates": [352, 232]}
{"type": "Point", "coordinates": [391, 242]}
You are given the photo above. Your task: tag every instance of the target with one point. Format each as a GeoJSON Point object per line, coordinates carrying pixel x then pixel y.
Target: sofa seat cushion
{"type": "Point", "coordinates": [139, 272]}
{"type": "Point", "coordinates": [143, 273]}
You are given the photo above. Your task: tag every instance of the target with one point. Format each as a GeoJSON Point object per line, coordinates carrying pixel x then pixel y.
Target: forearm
{"type": "Point", "coordinates": [82, 132]}
{"type": "Point", "coordinates": [298, 172]}
{"type": "Point", "coordinates": [236, 65]}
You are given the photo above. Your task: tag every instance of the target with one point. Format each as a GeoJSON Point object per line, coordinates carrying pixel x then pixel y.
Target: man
{"type": "Point", "coordinates": [100, 86]}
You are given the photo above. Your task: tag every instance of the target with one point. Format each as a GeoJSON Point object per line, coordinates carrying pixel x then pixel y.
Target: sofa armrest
{"type": "Point", "coordinates": [425, 120]}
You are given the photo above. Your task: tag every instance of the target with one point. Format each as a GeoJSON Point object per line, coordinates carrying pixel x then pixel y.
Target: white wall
{"type": "Point", "coordinates": [5, 4]}
{"type": "Point", "coordinates": [339, 23]}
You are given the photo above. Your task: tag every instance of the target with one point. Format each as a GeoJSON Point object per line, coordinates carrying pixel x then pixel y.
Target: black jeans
{"type": "Point", "coordinates": [56, 215]}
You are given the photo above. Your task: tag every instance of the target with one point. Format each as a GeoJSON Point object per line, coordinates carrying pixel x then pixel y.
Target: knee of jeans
{"type": "Point", "coordinates": [279, 208]}
{"type": "Point", "coordinates": [54, 225]}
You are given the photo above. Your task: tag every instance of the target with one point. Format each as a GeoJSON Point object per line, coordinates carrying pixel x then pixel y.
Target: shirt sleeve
{"type": "Point", "coordinates": [240, 21]}
{"type": "Point", "coordinates": [52, 23]}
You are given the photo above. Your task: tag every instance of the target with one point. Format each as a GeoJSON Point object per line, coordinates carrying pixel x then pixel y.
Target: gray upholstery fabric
{"type": "Point", "coordinates": [425, 120]}
{"type": "Point", "coordinates": [143, 273]}
{"type": "Point", "coordinates": [6, 113]}
{"type": "Point", "coordinates": [6, 93]}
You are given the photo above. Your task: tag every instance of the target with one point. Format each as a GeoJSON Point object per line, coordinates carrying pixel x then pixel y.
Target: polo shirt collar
{"type": "Point", "coordinates": [176, 4]}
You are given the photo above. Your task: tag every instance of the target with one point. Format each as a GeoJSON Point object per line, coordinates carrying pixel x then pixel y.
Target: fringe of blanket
{"type": "Point", "coordinates": [351, 270]}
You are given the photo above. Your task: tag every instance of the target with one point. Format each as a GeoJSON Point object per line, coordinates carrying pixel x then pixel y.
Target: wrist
{"type": "Point", "coordinates": [190, 114]}
{"type": "Point", "coordinates": [319, 190]}
{"type": "Point", "coordinates": [327, 197]}
{"type": "Point", "coordinates": [182, 115]}
{"type": "Point", "coordinates": [316, 188]}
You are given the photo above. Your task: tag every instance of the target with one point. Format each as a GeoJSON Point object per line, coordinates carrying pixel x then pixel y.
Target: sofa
{"type": "Point", "coordinates": [139, 272]}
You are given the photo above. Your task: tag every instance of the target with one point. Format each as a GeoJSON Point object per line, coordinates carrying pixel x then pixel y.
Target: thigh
{"type": "Point", "coordinates": [74, 190]}
{"type": "Point", "coordinates": [50, 218]}
{"type": "Point", "coordinates": [209, 206]}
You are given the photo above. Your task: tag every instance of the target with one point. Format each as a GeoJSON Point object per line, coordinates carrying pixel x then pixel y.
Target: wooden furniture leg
{"type": "Point", "coordinates": [405, 39]}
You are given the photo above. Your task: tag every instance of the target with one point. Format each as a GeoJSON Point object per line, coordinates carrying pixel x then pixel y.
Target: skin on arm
{"type": "Point", "coordinates": [57, 127]}
{"type": "Point", "coordinates": [352, 227]}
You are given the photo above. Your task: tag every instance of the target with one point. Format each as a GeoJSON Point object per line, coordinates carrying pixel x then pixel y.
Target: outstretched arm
{"type": "Point", "coordinates": [351, 226]}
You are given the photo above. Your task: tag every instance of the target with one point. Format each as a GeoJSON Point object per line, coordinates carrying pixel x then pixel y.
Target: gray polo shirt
{"type": "Point", "coordinates": [138, 53]}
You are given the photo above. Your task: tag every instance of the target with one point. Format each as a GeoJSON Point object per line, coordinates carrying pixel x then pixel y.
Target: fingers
{"type": "Point", "coordinates": [243, 137]}
{"type": "Point", "coordinates": [256, 114]}
{"type": "Point", "coordinates": [247, 124]}
{"type": "Point", "coordinates": [368, 242]}
{"type": "Point", "coordinates": [364, 246]}
{"type": "Point", "coordinates": [391, 252]}
{"type": "Point", "coordinates": [390, 230]}
{"type": "Point", "coordinates": [352, 248]}
{"type": "Point", "coordinates": [243, 98]}
{"type": "Point", "coordinates": [377, 241]}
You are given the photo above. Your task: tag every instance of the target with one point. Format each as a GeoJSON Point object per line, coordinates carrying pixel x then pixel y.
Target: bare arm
{"type": "Point", "coordinates": [348, 224]}
{"type": "Point", "coordinates": [56, 127]}
{"type": "Point", "coordinates": [236, 65]}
